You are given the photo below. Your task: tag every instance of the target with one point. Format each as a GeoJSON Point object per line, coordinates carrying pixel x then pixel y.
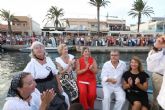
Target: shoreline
{"type": "Point", "coordinates": [23, 48]}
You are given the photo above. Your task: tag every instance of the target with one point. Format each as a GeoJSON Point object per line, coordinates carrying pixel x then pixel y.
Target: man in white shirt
{"type": "Point", "coordinates": [111, 76]}
{"type": "Point", "coordinates": [156, 63]}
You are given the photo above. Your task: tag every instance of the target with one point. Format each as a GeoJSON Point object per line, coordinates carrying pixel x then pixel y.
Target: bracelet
{"type": "Point", "coordinates": [156, 49]}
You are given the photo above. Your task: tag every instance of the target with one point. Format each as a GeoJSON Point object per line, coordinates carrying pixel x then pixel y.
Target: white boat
{"type": "Point", "coordinates": [48, 49]}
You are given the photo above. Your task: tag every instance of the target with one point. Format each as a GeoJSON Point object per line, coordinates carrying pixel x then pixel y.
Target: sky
{"type": "Point", "coordinates": [37, 9]}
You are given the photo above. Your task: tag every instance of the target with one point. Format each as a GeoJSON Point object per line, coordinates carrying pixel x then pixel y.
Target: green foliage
{"type": "Point", "coordinates": [7, 16]}
{"type": "Point", "coordinates": [140, 8]}
{"type": "Point", "coordinates": [98, 4]}
{"type": "Point", "coordinates": [53, 14]}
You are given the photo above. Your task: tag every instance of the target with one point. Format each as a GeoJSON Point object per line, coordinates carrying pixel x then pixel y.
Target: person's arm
{"type": "Point", "coordinates": [104, 74]}
{"type": "Point", "coordinates": [126, 85]}
{"type": "Point", "coordinates": [46, 97]}
{"type": "Point", "coordinates": [78, 70]}
{"type": "Point", "coordinates": [59, 84]}
{"type": "Point", "coordinates": [60, 68]}
{"type": "Point", "coordinates": [155, 61]}
{"type": "Point", "coordinates": [143, 86]}
{"type": "Point", "coordinates": [93, 67]}
{"type": "Point", "coordinates": [30, 69]}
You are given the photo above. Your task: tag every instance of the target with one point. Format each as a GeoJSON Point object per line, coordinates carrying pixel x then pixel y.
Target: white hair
{"type": "Point", "coordinates": [34, 44]}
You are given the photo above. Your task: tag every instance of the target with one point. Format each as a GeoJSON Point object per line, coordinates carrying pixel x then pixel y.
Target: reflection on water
{"type": "Point", "coordinates": [14, 61]}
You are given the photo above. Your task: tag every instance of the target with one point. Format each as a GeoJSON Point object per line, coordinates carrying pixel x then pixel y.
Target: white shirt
{"type": "Point", "coordinates": [39, 71]}
{"type": "Point", "coordinates": [62, 63]}
{"type": "Point", "coordinates": [156, 63]}
{"type": "Point", "coordinates": [109, 71]}
{"type": "Point", "coordinates": [16, 103]}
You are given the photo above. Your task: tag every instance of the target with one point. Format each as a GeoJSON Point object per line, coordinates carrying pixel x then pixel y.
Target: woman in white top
{"type": "Point", "coordinates": [65, 65]}
{"type": "Point", "coordinates": [44, 72]}
{"type": "Point", "coordinates": [23, 95]}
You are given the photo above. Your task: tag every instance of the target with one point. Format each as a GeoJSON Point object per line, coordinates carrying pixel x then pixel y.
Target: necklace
{"type": "Point", "coordinates": [134, 72]}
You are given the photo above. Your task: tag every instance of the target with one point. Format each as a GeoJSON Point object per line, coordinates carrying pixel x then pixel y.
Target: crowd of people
{"type": "Point", "coordinates": [66, 83]}
{"type": "Point", "coordinates": [83, 40]}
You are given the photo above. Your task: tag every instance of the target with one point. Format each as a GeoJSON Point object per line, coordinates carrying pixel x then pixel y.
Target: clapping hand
{"type": "Point", "coordinates": [130, 81]}
{"type": "Point", "coordinates": [137, 81]}
{"type": "Point", "coordinates": [47, 96]}
{"type": "Point", "coordinates": [91, 67]}
{"type": "Point", "coordinates": [112, 80]}
{"type": "Point", "coordinates": [71, 62]}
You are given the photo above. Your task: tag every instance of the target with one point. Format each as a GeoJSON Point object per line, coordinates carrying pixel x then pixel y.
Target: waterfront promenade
{"type": "Point", "coordinates": [92, 48]}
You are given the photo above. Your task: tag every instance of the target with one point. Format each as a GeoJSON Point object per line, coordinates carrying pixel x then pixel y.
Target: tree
{"type": "Point", "coordinates": [53, 14]}
{"type": "Point", "coordinates": [140, 8]}
{"type": "Point", "coordinates": [7, 16]}
{"type": "Point", "coordinates": [98, 4]}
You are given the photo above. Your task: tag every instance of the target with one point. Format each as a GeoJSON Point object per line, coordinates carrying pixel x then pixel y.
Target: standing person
{"type": "Point", "coordinates": [44, 72]}
{"type": "Point", "coordinates": [136, 85]}
{"type": "Point", "coordinates": [86, 69]}
{"type": "Point", "coordinates": [111, 76]}
{"type": "Point", "coordinates": [23, 95]}
{"type": "Point", "coordinates": [66, 65]}
{"type": "Point", "coordinates": [155, 63]}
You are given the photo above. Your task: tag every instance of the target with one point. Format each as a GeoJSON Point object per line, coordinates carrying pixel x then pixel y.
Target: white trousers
{"type": "Point", "coordinates": [119, 97]}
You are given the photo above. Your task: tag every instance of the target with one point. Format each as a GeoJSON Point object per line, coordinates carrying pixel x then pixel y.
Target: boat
{"type": "Point", "coordinates": [48, 49]}
{"type": "Point", "coordinates": [126, 106]}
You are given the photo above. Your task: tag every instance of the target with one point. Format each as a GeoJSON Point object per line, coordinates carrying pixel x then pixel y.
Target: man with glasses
{"type": "Point", "coordinates": [111, 76]}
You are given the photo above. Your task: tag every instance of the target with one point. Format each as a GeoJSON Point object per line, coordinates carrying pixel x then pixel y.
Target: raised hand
{"type": "Point", "coordinates": [130, 81]}
{"type": "Point", "coordinates": [47, 96]}
{"type": "Point", "coordinates": [137, 81]}
{"type": "Point", "coordinates": [91, 67]}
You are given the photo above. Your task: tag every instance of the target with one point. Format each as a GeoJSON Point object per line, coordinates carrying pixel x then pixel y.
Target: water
{"type": "Point", "coordinates": [15, 61]}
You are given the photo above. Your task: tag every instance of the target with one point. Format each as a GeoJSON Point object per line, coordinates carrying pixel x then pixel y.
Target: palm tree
{"type": "Point", "coordinates": [7, 16]}
{"type": "Point", "coordinates": [98, 4]}
{"type": "Point", "coordinates": [53, 14]}
{"type": "Point", "coordinates": [140, 8]}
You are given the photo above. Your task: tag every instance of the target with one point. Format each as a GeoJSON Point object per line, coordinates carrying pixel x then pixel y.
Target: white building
{"type": "Point", "coordinates": [155, 25]}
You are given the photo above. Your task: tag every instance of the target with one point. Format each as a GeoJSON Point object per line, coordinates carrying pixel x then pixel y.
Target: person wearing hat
{"type": "Point", "coordinates": [23, 95]}
{"type": "Point", "coordinates": [44, 72]}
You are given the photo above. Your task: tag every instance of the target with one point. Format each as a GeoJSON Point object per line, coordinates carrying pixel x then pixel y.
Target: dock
{"type": "Point", "coordinates": [124, 49]}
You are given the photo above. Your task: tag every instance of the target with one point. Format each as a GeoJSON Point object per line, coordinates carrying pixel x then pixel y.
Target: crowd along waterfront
{"type": "Point", "coordinates": [11, 62]}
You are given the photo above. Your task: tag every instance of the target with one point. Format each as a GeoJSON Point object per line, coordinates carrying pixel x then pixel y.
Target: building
{"type": "Point", "coordinates": [155, 26]}
{"type": "Point", "coordinates": [3, 28]}
{"type": "Point", "coordinates": [85, 26]}
{"type": "Point", "coordinates": [23, 26]}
